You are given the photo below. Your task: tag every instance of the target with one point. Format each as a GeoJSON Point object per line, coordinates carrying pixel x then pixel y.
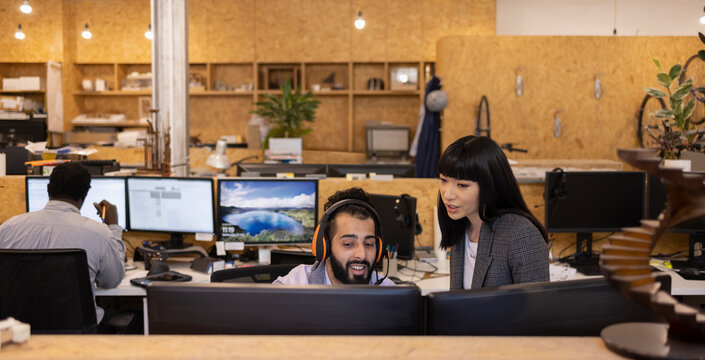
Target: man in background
{"type": "Point", "coordinates": [60, 226]}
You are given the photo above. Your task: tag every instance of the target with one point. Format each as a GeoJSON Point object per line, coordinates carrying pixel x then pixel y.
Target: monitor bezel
{"type": "Point", "coordinates": [127, 196]}
{"type": "Point", "coordinates": [93, 177]}
{"type": "Point", "coordinates": [547, 195]}
{"type": "Point", "coordinates": [241, 168]}
{"type": "Point", "coordinates": [219, 234]}
{"type": "Point", "coordinates": [410, 169]}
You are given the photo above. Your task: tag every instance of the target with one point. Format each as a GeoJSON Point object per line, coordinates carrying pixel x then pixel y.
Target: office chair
{"type": "Point", "coordinates": [252, 274]}
{"type": "Point", "coordinates": [49, 289]}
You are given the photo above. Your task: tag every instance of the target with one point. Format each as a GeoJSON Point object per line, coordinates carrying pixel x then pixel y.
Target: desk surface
{"type": "Point", "coordinates": [305, 347]}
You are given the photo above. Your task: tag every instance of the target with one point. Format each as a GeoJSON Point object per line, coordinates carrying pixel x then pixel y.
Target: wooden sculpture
{"type": "Point", "coordinates": [625, 263]}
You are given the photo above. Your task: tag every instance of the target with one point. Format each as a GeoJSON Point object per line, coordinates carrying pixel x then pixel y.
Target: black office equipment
{"type": "Point", "coordinates": [49, 289]}
{"type": "Point", "coordinates": [655, 203]}
{"type": "Point", "coordinates": [252, 274]}
{"type": "Point", "coordinates": [15, 132]}
{"type": "Point", "coordinates": [15, 157]}
{"type": "Point", "coordinates": [278, 257]}
{"type": "Point", "coordinates": [399, 222]}
{"type": "Point", "coordinates": [567, 308]}
{"type": "Point", "coordinates": [271, 170]}
{"type": "Point", "coordinates": [397, 170]}
{"type": "Point", "coordinates": [220, 308]}
{"type": "Point", "coordinates": [595, 201]}
{"type": "Point", "coordinates": [170, 204]}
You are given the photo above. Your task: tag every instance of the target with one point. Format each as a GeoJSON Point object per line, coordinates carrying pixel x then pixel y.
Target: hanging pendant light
{"type": "Point", "coordinates": [148, 34]}
{"type": "Point", "coordinates": [86, 34]}
{"type": "Point", "coordinates": [25, 7]}
{"type": "Point", "coordinates": [19, 35]}
{"type": "Point", "coordinates": [359, 22]}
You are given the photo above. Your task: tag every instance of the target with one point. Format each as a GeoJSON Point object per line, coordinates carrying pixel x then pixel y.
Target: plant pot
{"type": "Point", "coordinates": [680, 163]}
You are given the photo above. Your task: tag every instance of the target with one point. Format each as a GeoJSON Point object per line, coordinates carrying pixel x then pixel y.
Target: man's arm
{"type": "Point", "coordinates": [112, 267]}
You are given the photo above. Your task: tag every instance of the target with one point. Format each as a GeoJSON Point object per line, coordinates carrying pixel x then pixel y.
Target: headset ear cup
{"type": "Point", "coordinates": [318, 246]}
{"type": "Point", "coordinates": [381, 251]}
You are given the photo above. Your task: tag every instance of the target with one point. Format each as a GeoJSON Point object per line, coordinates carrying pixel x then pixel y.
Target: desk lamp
{"type": "Point", "coordinates": [218, 159]}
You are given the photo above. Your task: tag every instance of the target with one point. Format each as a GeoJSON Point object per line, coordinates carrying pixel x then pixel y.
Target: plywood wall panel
{"type": "Point", "coordinates": [102, 105]}
{"type": "Point", "coordinates": [457, 17]}
{"type": "Point", "coordinates": [214, 116]}
{"type": "Point", "coordinates": [370, 43]}
{"type": "Point", "coordinates": [199, 18]}
{"type": "Point", "coordinates": [277, 30]}
{"type": "Point", "coordinates": [118, 28]}
{"type": "Point", "coordinates": [398, 110]}
{"type": "Point", "coordinates": [559, 75]}
{"type": "Point", "coordinates": [330, 128]}
{"type": "Point", "coordinates": [43, 31]}
{"type": "Point", "coordinates": [325, 31]}
{"type": "Point", "coordinates": [231, 31]}
{"type": "Point", "coordinates": [404, 31]}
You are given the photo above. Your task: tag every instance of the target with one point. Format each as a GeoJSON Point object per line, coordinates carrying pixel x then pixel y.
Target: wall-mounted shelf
{"type": "Point", "coordinates": [22, 91]}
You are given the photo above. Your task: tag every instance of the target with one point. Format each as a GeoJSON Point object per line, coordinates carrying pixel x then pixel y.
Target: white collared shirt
{"type": "Point", "coordinates": [60, 226]}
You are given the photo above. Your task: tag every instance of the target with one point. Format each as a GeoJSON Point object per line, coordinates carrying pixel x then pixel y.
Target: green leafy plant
{"type": "Point", "coordinates": [288, 112]}
{"type": "Point", "coordinates": [678, 132]}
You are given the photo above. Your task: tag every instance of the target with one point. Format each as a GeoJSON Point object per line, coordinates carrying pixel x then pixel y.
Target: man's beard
{"type": "Point", "coordinates": [341, 272]}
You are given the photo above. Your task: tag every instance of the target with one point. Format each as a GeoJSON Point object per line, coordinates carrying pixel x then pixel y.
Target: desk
{"type": "Point", "coordinates": [126, 288]}
{"type": "Point", "coordinates": [305, 347]}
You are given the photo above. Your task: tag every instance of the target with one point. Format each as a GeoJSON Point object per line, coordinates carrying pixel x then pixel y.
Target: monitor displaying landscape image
{"type": "Point", "coordinates": [261, 212]}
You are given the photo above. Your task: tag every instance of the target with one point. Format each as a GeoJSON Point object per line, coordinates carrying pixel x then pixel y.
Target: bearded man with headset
{"type": "Point", "coordinates": [347, 244]}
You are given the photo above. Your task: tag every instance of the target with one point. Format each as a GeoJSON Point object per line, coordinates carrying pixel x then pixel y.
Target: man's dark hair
{"type": "Point", "coordinates": [353, 210]}
{"type": "Point", "coordinates": [69, 180]}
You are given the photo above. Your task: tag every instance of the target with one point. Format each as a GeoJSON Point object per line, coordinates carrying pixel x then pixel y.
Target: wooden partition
{"type": "Point", "coordinates": [558, 75]}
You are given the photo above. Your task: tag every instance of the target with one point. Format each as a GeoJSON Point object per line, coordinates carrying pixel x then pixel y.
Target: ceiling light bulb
{"type": "Point", "coordinates": [702, 19]}
{"type": "Point", "coordinates": [19, 35]}
{"type": "Point", "coordinates": [148, 34]}
{"type": "Point", "coordinates": [86, 33]}
{"type": "Point", "coordinates": [25, 7]}
{"type": "Point", "coordinates": [359, 22]}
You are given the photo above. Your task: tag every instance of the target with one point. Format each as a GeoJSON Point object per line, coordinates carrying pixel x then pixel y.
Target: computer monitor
{"type": "Point", "coordinates": [565, 308]}
{"type": "Point", "coordinates": [267, 211]}
{"type": "Point", "coordinates": [271, 170]}
{"type": "Point", "coordinates": [110, 188]}
{"type": "Point", "coordinates": [171, 204]}
{"type": "Point", "coordinates": [384, 140]}
{"type": "Point", "coordinates": [655, 203]}
{"type": "Point", "coordinates": [398, 218]}
{"type": "Point", "coordinates": [230, 308]}
{"type": "Point", "coordinates": [398, 170]}
{"type": "Point", "coordinates": [585, 202]}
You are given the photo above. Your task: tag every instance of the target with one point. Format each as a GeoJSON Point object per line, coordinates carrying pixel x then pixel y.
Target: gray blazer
{"type": "Point", "coordinates": [510, 250]}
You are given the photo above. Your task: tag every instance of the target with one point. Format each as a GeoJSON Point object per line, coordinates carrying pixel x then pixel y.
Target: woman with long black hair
{"type": "Point", "coordinates": [493, 237]}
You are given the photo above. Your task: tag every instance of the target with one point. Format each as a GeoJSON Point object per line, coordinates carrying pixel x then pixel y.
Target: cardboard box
{"type": "Point", "coordinates": [30, 83]}
{"type": "Point", "coordinates": [11, 84]}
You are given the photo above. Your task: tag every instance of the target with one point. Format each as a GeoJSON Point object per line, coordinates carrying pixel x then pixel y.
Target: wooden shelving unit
{"type": "Point", "coordinates": [346, 103]}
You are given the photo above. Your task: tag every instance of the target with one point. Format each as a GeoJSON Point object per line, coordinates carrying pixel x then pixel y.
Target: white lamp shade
{"type": "Point", "coordinates": [218, 159]}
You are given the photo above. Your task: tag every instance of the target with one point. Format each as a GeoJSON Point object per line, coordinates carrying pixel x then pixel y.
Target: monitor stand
{"type": "Point", "coordinates": [587, 262]}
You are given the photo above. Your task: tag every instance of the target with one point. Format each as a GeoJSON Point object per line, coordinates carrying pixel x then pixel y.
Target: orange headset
{"type": "Point", "coordinates": [321, 245]}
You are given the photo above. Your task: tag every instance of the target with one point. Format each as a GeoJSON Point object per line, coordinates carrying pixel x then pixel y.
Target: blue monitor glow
{"type": "Point", "coordinates": [111, 189]}
{"type": "Point", "coordinates": [266, 212]}
{"type": "Point", "coordinates": [170, 204]}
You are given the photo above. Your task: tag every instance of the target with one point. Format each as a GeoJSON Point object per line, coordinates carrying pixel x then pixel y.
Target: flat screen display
{"type": "Point", "coordinates": [168, 204]}
{"type": "Point", "coordinates": [267, 211]}
{"type": "Point", "coordinates": [111, 189]}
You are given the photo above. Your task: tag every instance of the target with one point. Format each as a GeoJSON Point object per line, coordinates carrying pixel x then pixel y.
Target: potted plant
{"type": "Point", "coordinates": [287, 112]}
{"type": "Point", "coordinates": [677, 131]}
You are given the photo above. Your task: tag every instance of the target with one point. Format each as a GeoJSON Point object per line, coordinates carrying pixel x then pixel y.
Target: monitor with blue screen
{"type": "Point", "coordinates": [111, 189]}
{"type": "Point", "coordinates": [266, 212]}
{"type": "Point", "coordinates": [169, 204]}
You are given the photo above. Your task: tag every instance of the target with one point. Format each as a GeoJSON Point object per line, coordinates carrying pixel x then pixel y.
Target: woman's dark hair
{"type": "Point", "coordinates": [69, 180]}
{"type": "Point", "coordinates": [480, 159]}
